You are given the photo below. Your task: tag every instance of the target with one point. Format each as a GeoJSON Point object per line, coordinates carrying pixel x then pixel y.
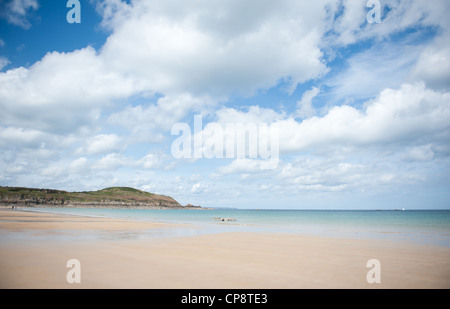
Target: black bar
{"type": "Point", "coordinates": [218, 298]}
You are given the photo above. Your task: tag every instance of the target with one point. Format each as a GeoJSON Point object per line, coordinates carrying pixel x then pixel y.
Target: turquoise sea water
{"type": "Point", "coordinates": [424, 226]}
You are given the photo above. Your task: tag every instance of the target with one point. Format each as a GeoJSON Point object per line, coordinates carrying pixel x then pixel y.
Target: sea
{"type": "Point", "coordinates": [419, 226]}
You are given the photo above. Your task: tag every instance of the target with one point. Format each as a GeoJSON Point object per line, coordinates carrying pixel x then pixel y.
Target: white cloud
{"type": "Point", "coordinates": [364, 173]}
{"type": "Point", "coordinates": [147, 122]}
{"type": "Point", "coordinates": [369, 72]}
{"type": "Point", "coordinates": [349, 23]}
{"type": "Point", "coordinates": [56, 170]}
{"type": "Point", "coordinates": [112, 11]}
{"type": "Point", "coordinates": [389, 145]}
{"type": "Point", "coordinates": [161, 47]}
{"type": "Point", "coordinates": [351, 26]}
{"type": "Point", "coordinates": [198, 188]}
{"type": "Point", "coordinates": [16, 11]}
{"type": "Point", "coordinates": [409, 114]}
{"type": "Point", "coordinates": [110, 162]}
{"type": "Point", "coordinates": [406, 114]}
{"type": "Point", "coordinates": [328, 174]}
{"type": "Point", "coordinates": [155, 160]}
{"type": "Point", "coordinates": [305, 109]}
{"type": "Point", "coordinates": [102, 143]}
{"type": "Point", "coordinates": [79, 166]}
{"type": "Point", "coordinates": [248, 166]}
{"type": "Point", "coordinates": [433, 66]}
{"type": "Point", "coordinates": [185, 48]}
{"type": "Point", "coordinates": [419, 153]}
{"type": "Point", "coordinates": [3, 60]}
{"type": "Point", "coordinates": [11, 137]}
{"type": "Point", "coordinates": [63, 91]}
{"type": "Point", "coordinates": [250, 114]}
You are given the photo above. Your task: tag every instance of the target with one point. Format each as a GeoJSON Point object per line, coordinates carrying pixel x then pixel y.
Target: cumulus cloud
{"type": "Point", "coordinates": [63, 91]}
{"type": "Point", "coordinates": [406, 124]}
{"type": "Point", "coordinates": [156, 49]}
{"type": "Point", "coordinates": [433, 66]}
{"type": "Point", "coordinates": [171, 47]}
{"type": "Point", "coordinates": [407, 114]}
{"type": "Point", "coordinates": [396, 115]}
{"type": "Point", "coordinates": [179, 51]}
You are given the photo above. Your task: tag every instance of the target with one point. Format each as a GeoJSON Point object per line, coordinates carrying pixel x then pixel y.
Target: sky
{"type": "Point", "coordinates": [283, 104]}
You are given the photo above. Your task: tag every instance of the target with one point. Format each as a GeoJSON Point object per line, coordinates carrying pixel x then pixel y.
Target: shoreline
{"type": "Point", "coordinates": [217, 260]}
{"type": "Point", "coordinates": [95, 206]}
{"type": "Point", "coordinates": [211, 223]}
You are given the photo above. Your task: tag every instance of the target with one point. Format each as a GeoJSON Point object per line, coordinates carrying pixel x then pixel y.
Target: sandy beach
{"type": "Point", "coordinates": [34, 253]}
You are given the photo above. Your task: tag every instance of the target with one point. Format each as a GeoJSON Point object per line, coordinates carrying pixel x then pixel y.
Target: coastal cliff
{"type": "Point", "coordinates": [114, 197]}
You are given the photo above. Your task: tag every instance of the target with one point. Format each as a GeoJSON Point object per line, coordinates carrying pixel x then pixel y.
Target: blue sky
{"type": "Point", "coordinates": [361, 108]}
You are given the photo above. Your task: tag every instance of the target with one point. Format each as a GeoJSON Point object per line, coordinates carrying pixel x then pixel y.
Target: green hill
{"type": "Point", "coordinates": [114, 197]}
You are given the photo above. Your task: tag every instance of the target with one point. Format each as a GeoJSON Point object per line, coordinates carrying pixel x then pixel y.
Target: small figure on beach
{"type": "Point", "coordinates": [224, 219]}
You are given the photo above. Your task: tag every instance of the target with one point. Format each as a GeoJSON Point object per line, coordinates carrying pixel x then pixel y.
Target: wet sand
{"type": "Point", "coordinates": [235, 260]}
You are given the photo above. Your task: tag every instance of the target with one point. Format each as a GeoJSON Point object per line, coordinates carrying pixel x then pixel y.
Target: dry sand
{"type": "Point", "coordinates": [243, 260]}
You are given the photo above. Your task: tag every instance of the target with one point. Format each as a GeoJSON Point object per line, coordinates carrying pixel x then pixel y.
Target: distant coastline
{"type": "Point", "coordinates": [112, 198]}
